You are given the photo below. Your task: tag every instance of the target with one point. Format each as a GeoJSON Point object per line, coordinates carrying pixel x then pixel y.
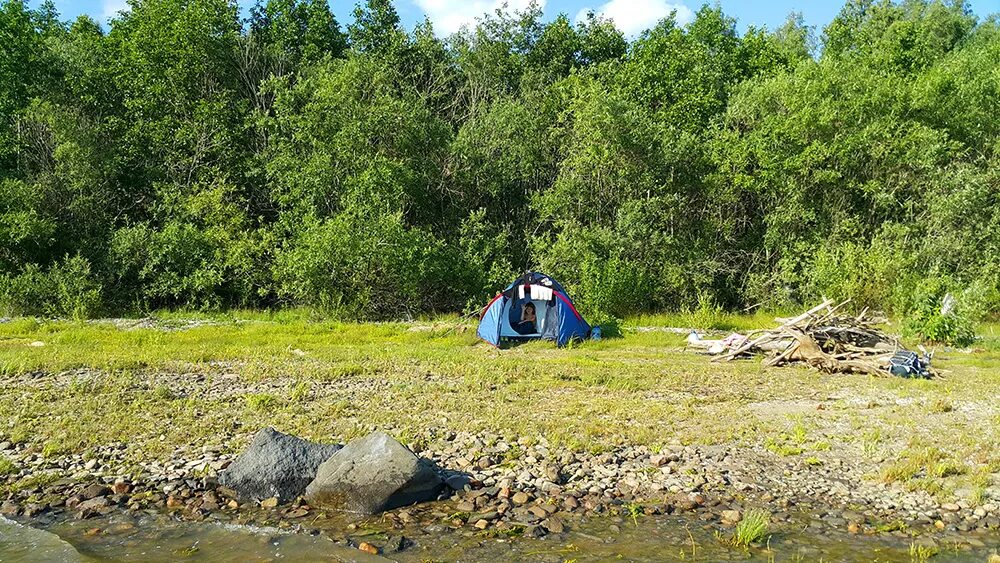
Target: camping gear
{"type": "Point", "coordinates": [909, 365]}
{"type": "Point", "coordinates": [556, 317]}
{"type": "Point", "coordinates": [829, 341]}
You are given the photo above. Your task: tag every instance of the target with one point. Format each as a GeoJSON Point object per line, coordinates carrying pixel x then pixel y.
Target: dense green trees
{"type": "Point", "coordinates": [185, 158]}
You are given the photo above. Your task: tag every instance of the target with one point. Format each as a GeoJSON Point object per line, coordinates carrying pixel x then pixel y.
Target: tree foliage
{"type": "Point", "coordinates": [181, 157]}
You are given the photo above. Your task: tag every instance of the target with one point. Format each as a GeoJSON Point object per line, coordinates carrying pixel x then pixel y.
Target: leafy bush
{"type": "Point", "coordinates": [179, 264]}
{"type": "Point", "coordinates": [866, 273]}
{"type": "Point", "coordinates": [486, 266]}
{"type": "Point", "coordinates": [67, 289]}
{"type": "Point", "coordinates": [590, 264]}
{"type": "Point", "coordinates": [369, 265]}
{"type": "Point", "coordinates": [936, 316]}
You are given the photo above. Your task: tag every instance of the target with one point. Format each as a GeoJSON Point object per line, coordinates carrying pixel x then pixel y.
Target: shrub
{"type": "Point", "coordinates": [75, 292]}
{"type": "Point", "coordinates": [67, 289]}
{"type": "Point", "coordinates": [602, 281]}
{"type": "Point", "coordinates": [866, 273]}
{"type": "Point", "coordinates": [368, 265]}
{"type": "Point", "coordinates": [179, 264]}
{"type": "Point", "coordinates": [936, 316]}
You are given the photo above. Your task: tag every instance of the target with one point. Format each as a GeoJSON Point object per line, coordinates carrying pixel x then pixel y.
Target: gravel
{"type": "Point", "coordinates": [541, 490]}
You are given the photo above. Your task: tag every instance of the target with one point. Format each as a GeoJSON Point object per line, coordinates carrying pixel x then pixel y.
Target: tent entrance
{"type": "Point", "coordinates": [512, 313]}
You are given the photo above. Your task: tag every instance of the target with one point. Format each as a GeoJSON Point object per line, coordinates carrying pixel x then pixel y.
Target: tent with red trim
{"type": "Point", "coordinates": [556, 318]}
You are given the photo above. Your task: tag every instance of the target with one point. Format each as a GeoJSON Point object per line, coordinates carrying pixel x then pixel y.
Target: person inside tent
{"type": "Point", "coordinates": [527, 323]}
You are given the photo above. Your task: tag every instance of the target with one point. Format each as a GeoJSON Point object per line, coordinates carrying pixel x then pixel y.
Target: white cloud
{"type": "Point", "coordinates": [632, 17]}
{"type": "Point", "coordinates": [448, 16]}
{"type": "Point", "coordinates": [110, 9]}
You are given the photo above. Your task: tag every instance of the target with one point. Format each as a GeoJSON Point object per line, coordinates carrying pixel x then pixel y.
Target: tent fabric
{"type": "Point", "coordinates": [557, 319]}
{"type": "Point", "coordinates": [489, 324]}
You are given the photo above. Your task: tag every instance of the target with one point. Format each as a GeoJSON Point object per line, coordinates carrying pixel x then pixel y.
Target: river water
{"type": "Point", "coordinates": [155, 537]}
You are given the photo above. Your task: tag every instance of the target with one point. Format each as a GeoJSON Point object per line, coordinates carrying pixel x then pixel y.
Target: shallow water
{"type": "Point", "coordinates": [159, 538]}
{"type": "Point", "coordinates": [23, 543]}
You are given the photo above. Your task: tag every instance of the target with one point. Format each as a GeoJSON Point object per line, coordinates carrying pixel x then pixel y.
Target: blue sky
{"type": "Point", "coordinates": [632, 16]}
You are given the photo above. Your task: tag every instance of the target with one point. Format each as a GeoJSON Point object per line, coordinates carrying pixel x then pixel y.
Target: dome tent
{"type": "Point", "coordinates": [557, 317]}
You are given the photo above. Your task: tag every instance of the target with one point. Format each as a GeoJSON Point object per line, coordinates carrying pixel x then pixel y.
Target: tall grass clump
{"type": "Point", "coordinates": [753, 528]}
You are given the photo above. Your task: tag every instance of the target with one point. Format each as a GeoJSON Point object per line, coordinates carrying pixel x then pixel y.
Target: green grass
{"type": "Point", "coordinates": [7, 467]}
{"type": "Point", "coordinates": [705, 320]}
{"type": "Point", "coordinates": [330, 380]}
{"type": "Point", "coordinates": [921, 553]}
{"type": "Point", "coordinates": [751, 529]}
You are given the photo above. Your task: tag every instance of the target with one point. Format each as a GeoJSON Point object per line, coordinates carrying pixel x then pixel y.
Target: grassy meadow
{"type": "Point", "coordinates": [68, 387]}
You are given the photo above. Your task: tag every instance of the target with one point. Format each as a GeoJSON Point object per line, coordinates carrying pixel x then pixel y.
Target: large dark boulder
{"type": "Point", "coordinates": [275, 465]}
{"type": "Point", "coordinates": [371, 475]}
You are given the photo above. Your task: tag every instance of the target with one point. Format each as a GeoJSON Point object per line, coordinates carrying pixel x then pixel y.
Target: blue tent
{"type": "Point", "coordinates": [557, 317]}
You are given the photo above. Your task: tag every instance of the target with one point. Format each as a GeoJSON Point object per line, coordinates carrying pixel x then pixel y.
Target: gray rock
{"type": "Point", "coordinates": [95, 490]}
{"type": "Point", "coordinates": [275, 465]}
{"type": "Point", "coordinates": [371, 475]}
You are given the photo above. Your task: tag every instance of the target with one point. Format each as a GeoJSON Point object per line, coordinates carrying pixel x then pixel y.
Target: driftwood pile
{"type": "Point", "coordinates": [822, 337]}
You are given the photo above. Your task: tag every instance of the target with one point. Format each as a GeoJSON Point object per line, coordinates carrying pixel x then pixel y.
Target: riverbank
{"type": "Point", "coordinates": [141, 419]}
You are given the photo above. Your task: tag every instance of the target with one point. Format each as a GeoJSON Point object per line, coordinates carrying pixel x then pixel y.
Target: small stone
{"type": "Point", "coordinates": [174, 502]}
{"type": "Point", "coordinates": [233, 504]}
{"type": "Point", "coordinates": [520, 498]}
{"type": "Point", "coordinates": [269, 503]}
{"type": "Point", "coordinates": [94, 503]}
{"type": "Point", "coordinates": [465, 507]}
{"type": "Point", "coordinates": [854, 528]}
{"type": "Point", "coordinates": [88, 513]}
{"type": "Point", "coordinates": [570, 503]}
{"type": "Point", "coordinates": [94, 490]}
{"type": "Point", "coordinates": [481, 524]}
{"type": "Point", "coordinates": [488, 516]}
{"type": "Point", "coordinates": [368, 548]}
{"type": "Point", "coordinates": [90, 464]}
{"type": "Point", "coordinates": [554, 525]}
{"type": "Point", "coordinates": [534, 531]}
{"type": "Point", "coordinates": [951, 507]}
{"type": "Point", "coordinates": [120, 488]}
{"type": "Point", "coordinates": [731, 516]}
{"type": "Point", "coordinates": [538, 511]}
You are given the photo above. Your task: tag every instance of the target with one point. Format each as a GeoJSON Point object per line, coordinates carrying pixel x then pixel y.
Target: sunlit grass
{"type": "Point", "coordinates": [752, 528]}
{"type": "Point", "coordinates": [156, 390]}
